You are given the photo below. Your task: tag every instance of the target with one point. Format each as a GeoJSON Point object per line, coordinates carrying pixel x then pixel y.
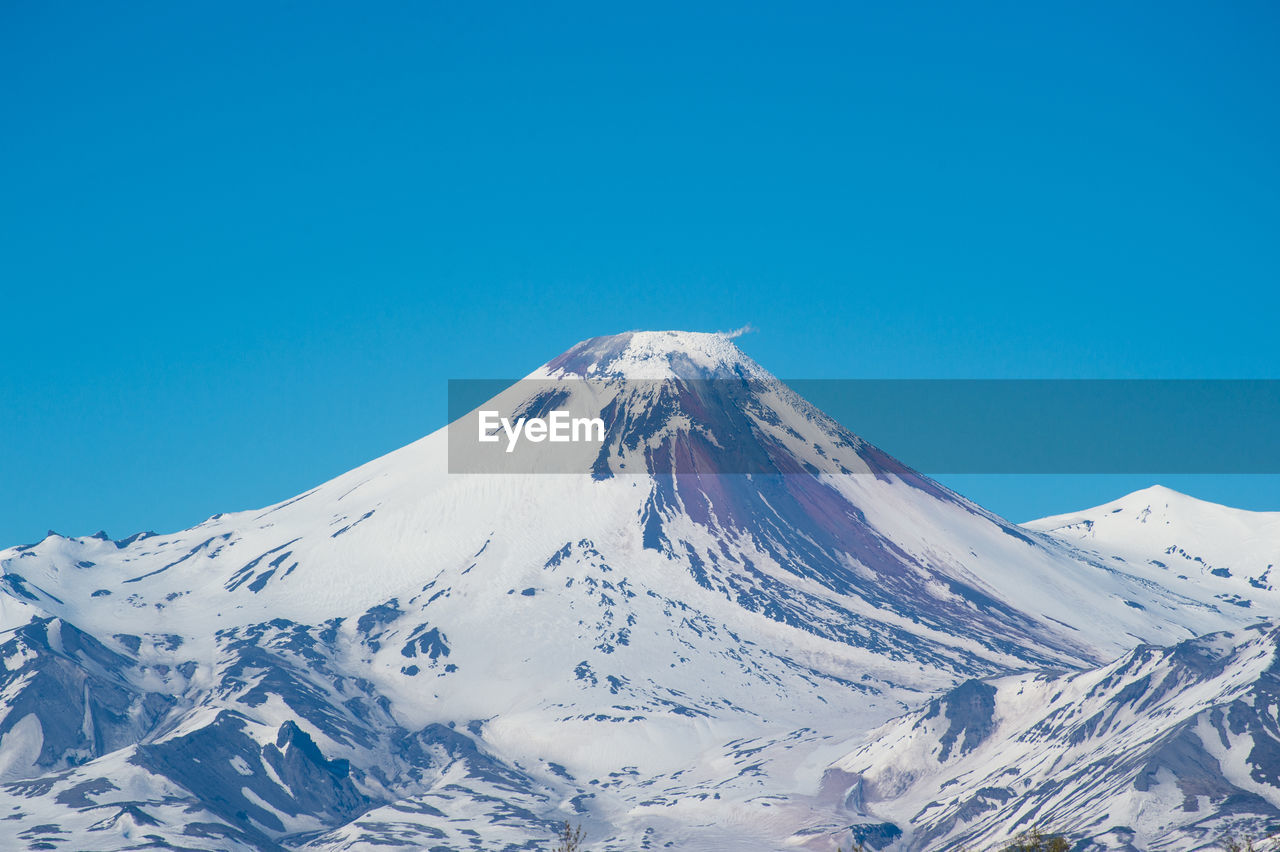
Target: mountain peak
{"type": "Point", "coordinates": [657, 355]}
{"type": "Point", "coordinates": [1154, 499]}
{"type": "Point", "coordinates": [1157, 492]}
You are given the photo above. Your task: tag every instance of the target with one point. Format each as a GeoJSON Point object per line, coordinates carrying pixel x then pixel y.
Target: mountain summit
{"type": "Point", "coordinates": [653, 355]}
{"type": "Point", "coordinates": [664, 646]}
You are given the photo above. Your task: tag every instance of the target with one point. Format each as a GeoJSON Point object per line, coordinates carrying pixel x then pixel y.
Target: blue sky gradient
{"type": "Point", "coordinates": [244, 246]}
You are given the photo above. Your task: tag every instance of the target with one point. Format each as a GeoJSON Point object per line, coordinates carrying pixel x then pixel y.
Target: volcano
{"type": "Point", "coordinates": [668, 637]}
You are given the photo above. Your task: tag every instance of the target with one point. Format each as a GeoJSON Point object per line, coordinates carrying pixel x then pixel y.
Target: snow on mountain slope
{"type": "Point", "coordinates": [1166, 748]}
{"type": "Point", "coordinates": [1187, 544]}
{"type": "Point", "coordinates": [651, 645]}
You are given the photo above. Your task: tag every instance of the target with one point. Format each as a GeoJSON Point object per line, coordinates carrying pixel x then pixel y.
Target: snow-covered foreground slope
{"type": "Point", "coordinates": [404, 655]}
{"type": "Point", "coordinates": [1167, 748]}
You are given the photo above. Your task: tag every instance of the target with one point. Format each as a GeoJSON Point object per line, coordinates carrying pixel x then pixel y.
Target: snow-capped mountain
{"type": "Point", "coordinates": [1166, 748]}
{"type": "Point", "coordinates": [1182, 542]}
{"type": "Point", "coordinates": [669, 644]}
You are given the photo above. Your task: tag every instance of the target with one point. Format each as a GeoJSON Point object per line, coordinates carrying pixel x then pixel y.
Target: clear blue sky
{"type": "Point", "coordinates": [244, 245]}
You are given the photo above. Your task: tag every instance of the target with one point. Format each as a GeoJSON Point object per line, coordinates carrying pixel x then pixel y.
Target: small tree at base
{"type": "Point", "coordinates": [570, 839]}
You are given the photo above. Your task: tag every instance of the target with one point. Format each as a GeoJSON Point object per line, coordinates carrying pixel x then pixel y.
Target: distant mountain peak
{"type": "Point", "coordinates": [1142, 505]}
{"type": "Point", "coordinates": [1156, 490]}
{"type": "Point", "coordinates": [1158, 494]}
